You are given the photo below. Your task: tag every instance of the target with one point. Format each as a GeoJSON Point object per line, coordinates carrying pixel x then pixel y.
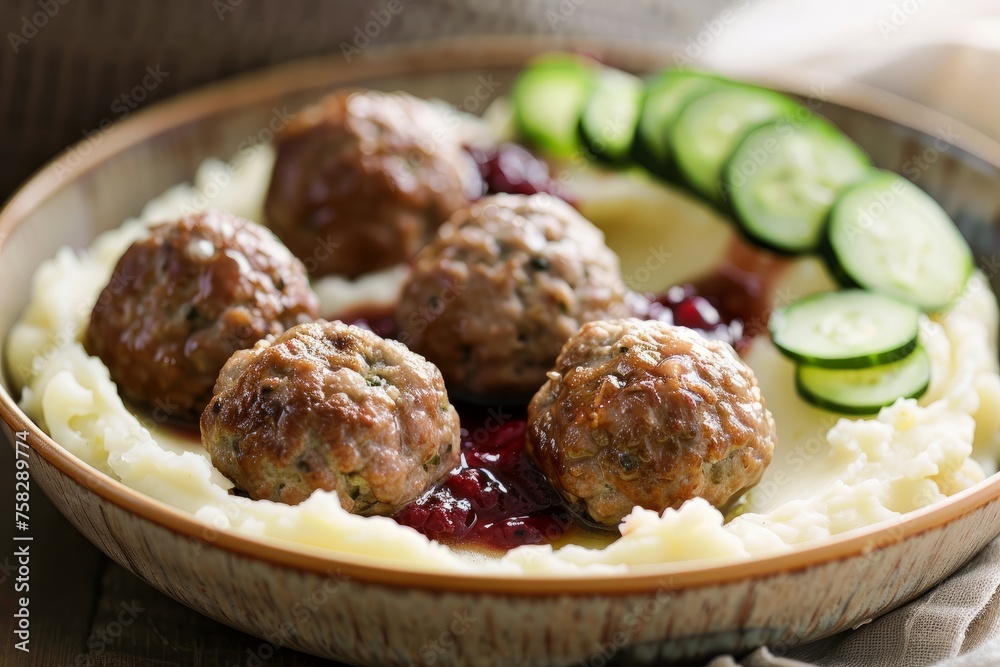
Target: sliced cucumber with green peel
{"type": "Point", "coordinates": [848, 329]}
{"type": "Point", "coordinates": [889, 236]}
{"type": "Point", "coordinates": [783, 178]}
{"type": "Point", "coordinates": [865, 391]}
{"type": "Point", "coordinates": [607, 124]}
{"type": "Point", "coordinates": [549, 96]}
{"type": "Point", "coordinates": [665, 96]}
{"type": "Point", "coordinates": [709, 127]}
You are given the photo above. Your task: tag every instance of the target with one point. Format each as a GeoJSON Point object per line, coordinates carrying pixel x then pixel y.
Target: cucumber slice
{"type": "Point", "coordinates": [665, 96]}
{"type": "Point", "coordinates": [709, 127]}
{"type": "Point", "coordinates": [865, 391]}
{"type": "Point", "coordinates": [782, 179]}
{"type": "Point", "coordinates": [887, 235]}
{"type": "Point", "coordinates": [548, 98]}
{"type": "Point", "coordinates": [848, 329]}
{"type": "Point", "coordinates": [607, 125]}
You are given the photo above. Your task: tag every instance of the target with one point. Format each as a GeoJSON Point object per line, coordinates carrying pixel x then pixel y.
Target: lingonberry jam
{"type": "Point", "coordinates": [379, 319]}
{"type": "Point", "coordinates": [512, 169]}
{"type": "Point", "coordinates": [497, 498]}
{"type": "Point", "coordinates": [684, 306]}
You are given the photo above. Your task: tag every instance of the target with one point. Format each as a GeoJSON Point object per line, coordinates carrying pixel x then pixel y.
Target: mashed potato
{"type": "Point", "coordinates": [829, 475]}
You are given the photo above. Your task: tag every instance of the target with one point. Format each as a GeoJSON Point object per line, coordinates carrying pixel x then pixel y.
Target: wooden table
{"type": "Point", "coordinates": [87, 610]}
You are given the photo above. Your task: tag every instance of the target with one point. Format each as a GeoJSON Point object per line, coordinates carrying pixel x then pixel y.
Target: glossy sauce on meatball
{"type": "Point", "coordinates": [182, 300]}
{"type": "Point", "coordinates": [363, 179]}
{"type": "Point", "coordinates": [639, 412]}
{"type": "Point", "coordinates": [335, 407]}
{"type": "Point", "coordinates": [502, 286]}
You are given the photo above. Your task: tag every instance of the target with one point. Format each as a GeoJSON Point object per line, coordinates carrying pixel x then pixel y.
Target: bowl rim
{"type": "Point", "coordinates": [441, 56]}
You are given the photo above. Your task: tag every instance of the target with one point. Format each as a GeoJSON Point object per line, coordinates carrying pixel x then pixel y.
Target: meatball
{"type": "Point", "coordinates": [503, 285]}
{"type": "Point", "coordinates": [363, 179]}
{"type": "Point", "coordinates": [644, 413]}
{"type": "Point", "coordinates": [182, 300]}
{"type": "Point", "coordinates": [335, 407]}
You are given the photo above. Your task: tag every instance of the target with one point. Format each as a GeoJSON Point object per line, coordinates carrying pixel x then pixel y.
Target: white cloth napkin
{"type": "Point", "coordinates": [944, 54]}
{"type": "Point", "coordinates": [956, 624]}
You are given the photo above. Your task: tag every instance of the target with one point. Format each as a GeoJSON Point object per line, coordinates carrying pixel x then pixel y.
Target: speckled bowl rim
{"type": "Point", "coordinates": [426, 58]}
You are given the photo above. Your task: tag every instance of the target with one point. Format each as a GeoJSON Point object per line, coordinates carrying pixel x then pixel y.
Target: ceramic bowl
{"type": "Point", "coordinates": [369, 612]}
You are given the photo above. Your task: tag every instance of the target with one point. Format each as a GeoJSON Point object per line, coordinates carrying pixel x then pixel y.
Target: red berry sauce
{"type": "Point", "coordinates": [497, 498]}
{"type": "Point", "coordinates": [684, 306]}
{"type": "Point", "coordinates": [380, 320]}
{"type": "Point", "coordinates": [512, 169]}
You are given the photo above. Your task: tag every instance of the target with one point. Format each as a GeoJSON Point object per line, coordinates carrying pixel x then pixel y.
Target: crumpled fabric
{"type": "Point", "coordinates": [943, 54]}
{"type": "Point", "coordinates": [956, 624]}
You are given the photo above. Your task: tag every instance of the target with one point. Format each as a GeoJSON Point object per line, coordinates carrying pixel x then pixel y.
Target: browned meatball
{"type": "Point", "coordinates": [335, 407]}
{"type": "Point", "coordinates": [644, 413]}
{"type": "Point", "coordinates": [181, 301]}
{"type": "Point", "coordinates": [363, 179]}
{"type": "Point", "coordinates": [500, 289]}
